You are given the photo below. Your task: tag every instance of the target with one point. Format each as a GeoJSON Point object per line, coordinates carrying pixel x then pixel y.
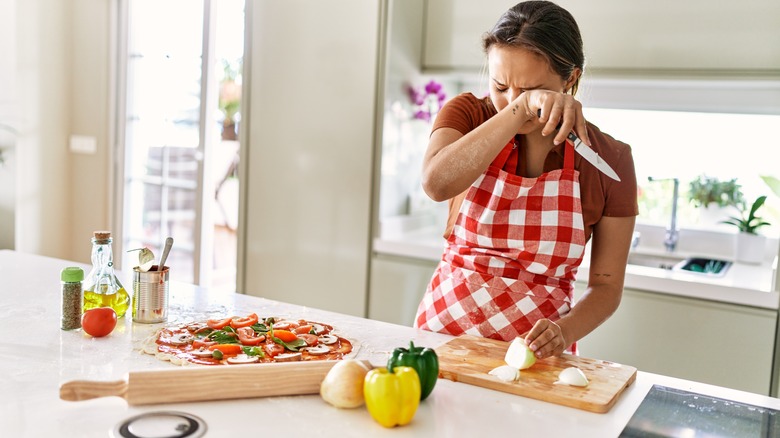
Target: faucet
{"type": "Point", "coordinates": [672, 234]}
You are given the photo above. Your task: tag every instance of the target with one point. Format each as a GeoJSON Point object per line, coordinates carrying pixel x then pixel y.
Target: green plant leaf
{"type": "Point", "coordinates": [773, 183]}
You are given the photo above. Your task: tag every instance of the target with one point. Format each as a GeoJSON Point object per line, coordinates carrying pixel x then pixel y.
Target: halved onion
{"type": "Point", "coordinates": [506, 373]}
{"type": "Point", "coordinates": [519, 355]}
{"type": "Point", "coordinates": [572, 376]}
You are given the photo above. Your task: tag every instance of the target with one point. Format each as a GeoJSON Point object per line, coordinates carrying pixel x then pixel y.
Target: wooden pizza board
{"type": "Point", "coordinates": [205, 383]}
{"type": "Point", "coordinates": [468, 359]}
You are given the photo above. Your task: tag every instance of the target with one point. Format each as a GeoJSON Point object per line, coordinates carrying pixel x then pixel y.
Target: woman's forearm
{"type": "Point", "coordinates": [453, 162]}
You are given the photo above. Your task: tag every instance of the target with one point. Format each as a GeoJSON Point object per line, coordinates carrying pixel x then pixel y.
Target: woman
{"type": "Point", "coordinates": [523, 204]}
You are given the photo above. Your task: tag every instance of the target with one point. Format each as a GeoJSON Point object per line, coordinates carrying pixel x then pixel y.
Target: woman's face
{"type": "Point", "coordinates": [514, 70]}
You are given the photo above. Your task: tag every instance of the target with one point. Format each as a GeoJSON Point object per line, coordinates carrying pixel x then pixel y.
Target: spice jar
{"type": "Point", "coordinates": [102, 288]}
{"type": "Point", "coordinates": [71, 278]}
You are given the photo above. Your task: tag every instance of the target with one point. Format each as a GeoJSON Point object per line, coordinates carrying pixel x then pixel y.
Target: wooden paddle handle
{"type": "Point", "coordinates": [202, 383]}
{"type": "Point", "coordinates": [78, 390]}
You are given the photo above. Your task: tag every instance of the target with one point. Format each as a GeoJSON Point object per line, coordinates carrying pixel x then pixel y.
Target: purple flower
{"type": "Point", "coordinates": [422, 115]}
{"type": "Point", "coordinates": [416, 96]}
{"type": "Point", "coordinates": [433, 87]}
{"type": "Point", "coordinates": [427, 100]}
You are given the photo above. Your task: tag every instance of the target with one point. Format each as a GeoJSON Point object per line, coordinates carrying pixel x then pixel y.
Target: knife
{"type": "Point", "coordinates": [588, 154]}
{"type": "Point", "coordinates": [592, 157]}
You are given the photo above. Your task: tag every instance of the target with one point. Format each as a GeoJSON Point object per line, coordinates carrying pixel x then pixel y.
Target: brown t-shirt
{"type": "Point", "coordinates": [601, 195]}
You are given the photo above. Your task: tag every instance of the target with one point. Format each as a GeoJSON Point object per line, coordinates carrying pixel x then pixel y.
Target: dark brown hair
{"type": "Point", "coordinates": [543, 28]}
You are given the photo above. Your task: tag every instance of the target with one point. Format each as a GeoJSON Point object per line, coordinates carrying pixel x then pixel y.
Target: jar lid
{"type": "Point", "coordinates": [72, 274]}
{"type": "Point", "coordinates": [102, 235]}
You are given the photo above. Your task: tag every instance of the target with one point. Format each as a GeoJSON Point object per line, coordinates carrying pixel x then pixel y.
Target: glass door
{"type": "Point", "coordinates": [179, 105]}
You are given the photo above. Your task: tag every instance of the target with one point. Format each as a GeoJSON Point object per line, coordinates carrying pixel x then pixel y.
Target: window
{"type": "Point", "coordinates": [179, 106]}
{"type": "Point", "coordinates": [685, 145]}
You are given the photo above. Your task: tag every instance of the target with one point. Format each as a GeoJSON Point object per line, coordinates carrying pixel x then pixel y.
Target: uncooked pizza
{"type": "Point", "coordinates": [247, 339]}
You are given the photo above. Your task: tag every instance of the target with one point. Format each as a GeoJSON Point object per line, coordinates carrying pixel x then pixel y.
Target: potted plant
{"type": "Point", "coordinates": [713, 197]}
{"type": "Point", "coordinates": [230, 98]}
{"type": "Point", "coordinates": [750, 244]}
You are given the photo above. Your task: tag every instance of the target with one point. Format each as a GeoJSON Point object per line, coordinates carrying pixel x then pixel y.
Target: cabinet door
{"type": "Point", "coordinates": [397, 286]}
{"type": "Point", "coordinates": [309, 155]}
{"type": "Point", "coordinates": [693, 35]}
{"type": "Point", "coordinates": [704, 341]}
{"type": "Point", "coordinates": [453, 32]}
{"type": "Point", "coordinates": [698, 35]}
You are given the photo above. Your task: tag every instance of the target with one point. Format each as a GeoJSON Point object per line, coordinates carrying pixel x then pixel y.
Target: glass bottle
{"type": "Point", "coordinates": [102, 288]}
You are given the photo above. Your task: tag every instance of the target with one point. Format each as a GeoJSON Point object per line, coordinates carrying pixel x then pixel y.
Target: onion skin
{"type": "Point", "coordinates": [343, 385]}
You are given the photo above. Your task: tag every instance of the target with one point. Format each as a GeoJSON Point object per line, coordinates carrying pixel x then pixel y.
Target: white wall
{"type": "Point", "coordinates": [7, 121]}
{"type": "Point", "coordinates": [42, 216]}
{"type": "Point", "coordinates": [62, 77]}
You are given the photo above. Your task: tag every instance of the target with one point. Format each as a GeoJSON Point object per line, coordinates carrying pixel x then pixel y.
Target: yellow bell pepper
{"type": "Point", "coordinates": [392, 398]}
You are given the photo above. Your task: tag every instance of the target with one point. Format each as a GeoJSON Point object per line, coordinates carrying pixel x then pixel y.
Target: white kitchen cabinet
{"type": "Point", "coordinates": [694, 36]}
{"type": "Point", "coordinates": [453, 32]}
{"type": "Point", "coordinates": [397, 286]}
{"type": "Point", "coordinates": [308, 158]}
{"type": "Point", "coordinates": [717, 343]}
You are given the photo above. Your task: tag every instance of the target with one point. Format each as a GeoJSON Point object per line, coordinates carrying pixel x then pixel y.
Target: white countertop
{"type": "Point", "coordinates": [743, 284]}
{"type": "Point", "coordinates": [36, 357]}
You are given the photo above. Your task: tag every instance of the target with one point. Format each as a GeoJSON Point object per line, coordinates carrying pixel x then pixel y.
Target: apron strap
{"type": "Point", "coordinates": [507, 158]}
{"type": "Point", "coordinates": [568, 155]}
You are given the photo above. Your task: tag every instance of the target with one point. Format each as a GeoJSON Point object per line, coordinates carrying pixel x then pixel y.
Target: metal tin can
{"type": "Point", "coordinates": [150, 295]}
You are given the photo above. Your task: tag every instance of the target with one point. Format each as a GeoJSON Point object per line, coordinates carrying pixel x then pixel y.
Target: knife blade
{"type": "Point", "coordinates": [587, 153]}
{"type": "Point", "coordinates": [592, 157]}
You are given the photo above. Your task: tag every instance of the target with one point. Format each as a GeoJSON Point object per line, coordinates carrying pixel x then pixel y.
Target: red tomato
{"type": "Point", "coordinates": [285, 325]}
{"type": "Point", "coordinates": [273, 349]}
{"type": "Point", "coordinates": [218, 324]}
{"type": "Point", "coordinates": [99, 321]}
{"type": "Point", "coordinates": [247, 336]}
{"type": "Point", "coordinates": [303, 329]}
{"type": "Point", "coordinates": [311, 340]}
{"type": "Point", "coordinates": [238, 322]}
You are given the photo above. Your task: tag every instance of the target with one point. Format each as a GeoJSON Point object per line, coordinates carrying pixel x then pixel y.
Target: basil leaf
{"type": "Point", "coordinates": [223, 336]}
{"type": "Point", "coordinates": [253, 351]}
{"type": "Point", "coordinates": [292, 346]}
{"type": "Point", "coordinates": [260, 328]}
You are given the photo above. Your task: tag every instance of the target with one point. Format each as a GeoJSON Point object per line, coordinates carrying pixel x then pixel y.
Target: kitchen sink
{"type": "Point", "coordinates": [713, 267]}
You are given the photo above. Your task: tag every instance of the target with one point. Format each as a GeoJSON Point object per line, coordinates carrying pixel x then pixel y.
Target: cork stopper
{"type": "Point", "coordinates": [102, 235]}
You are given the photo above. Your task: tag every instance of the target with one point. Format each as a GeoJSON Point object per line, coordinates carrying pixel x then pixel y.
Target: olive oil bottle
{"type": "Point", "coordinates": [101, 287]}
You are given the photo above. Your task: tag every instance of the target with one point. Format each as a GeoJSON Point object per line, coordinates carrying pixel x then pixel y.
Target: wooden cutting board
{"type": "Point", "coordinates": [468, 359]}
{"type": "Point", "coordinates": [202, 383]}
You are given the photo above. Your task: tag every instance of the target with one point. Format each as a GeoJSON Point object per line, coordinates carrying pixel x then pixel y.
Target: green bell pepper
{"type": "Point", "coordinates": [423, 360]}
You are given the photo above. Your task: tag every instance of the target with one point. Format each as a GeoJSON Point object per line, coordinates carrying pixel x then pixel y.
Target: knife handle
{"type": "Point", "coordinates": [78, 390]}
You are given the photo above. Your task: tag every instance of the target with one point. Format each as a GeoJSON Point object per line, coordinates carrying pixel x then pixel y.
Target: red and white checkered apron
{"type": "Point", "coordinates": [513, 253]}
